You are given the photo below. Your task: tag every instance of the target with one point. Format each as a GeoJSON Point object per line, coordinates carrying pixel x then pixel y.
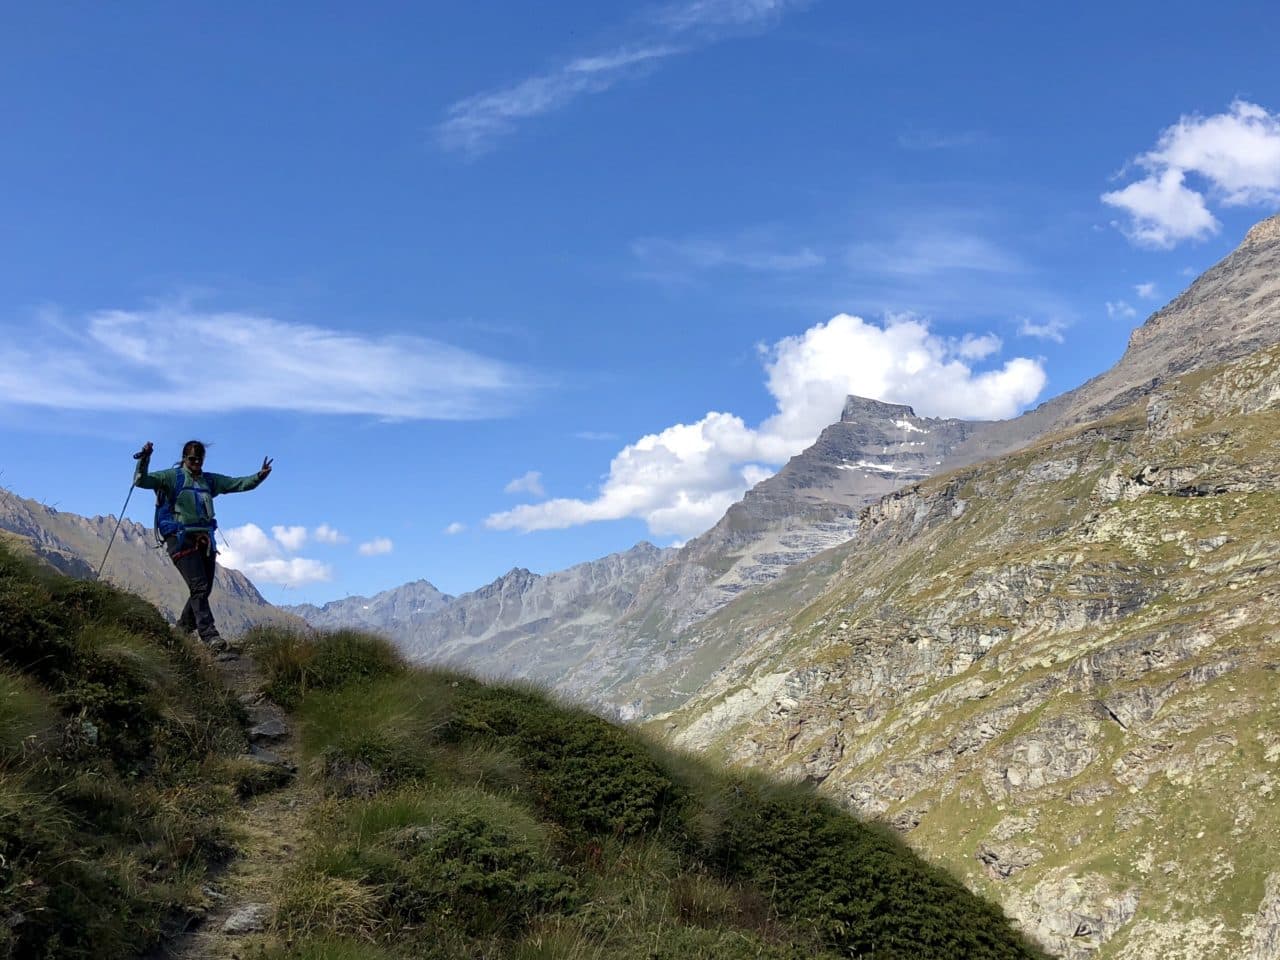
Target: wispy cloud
{"type": "Point", "coordinates": [123, 360]}
{"type": "Point", "coordinates": [701, 16]}
{"type": "Point", "coordinates": [595, 435]}
{"type": "Point", "coordinates": [476, 123]}
{"type": "Point", "coordinates": [682, 479]}
{"type": "Point", "coordinates": [1147, 291]}
{"type": "Point", "coordinates": [1234, 158]}
{"type": "Point", "coordinates": [530, 483]}
{"type": "Point", "coordinates": [675, 258]}
{"type": "Point", "coordinates": [1051, 329]}
{"type": "Point", "coordinates": [455, 528]}
{"type": "Point", "coordinates": [931, 252]}
{"type": "Point", "coordinates": [1120, 310]}
{"type": "Point", "coordinates": [376, 547]}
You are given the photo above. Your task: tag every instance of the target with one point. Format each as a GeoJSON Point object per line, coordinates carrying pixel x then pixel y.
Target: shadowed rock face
{"type": "Point", "coordinates": [76, 546]}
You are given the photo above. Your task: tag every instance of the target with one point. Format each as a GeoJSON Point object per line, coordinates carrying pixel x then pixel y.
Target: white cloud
{"type": "Point", "coordinates": [530, 483]}
{"type": "Point", "coordinates": [327, 534]}
{"type": "Point", "coordinates": [1120, 310]}
{"type": "Point", "coordinates": [1147, 291]}
{"type": "Point", "coordinates": [971, 347]}
{"type": "Point", "coordinates": [595, 435]}
{"type": "Point", "coordinates": [376, 547]}
{"type": "Point", "coordinates": [1051, 329]}
{"type": "Point", "coordinates": [474, 124]}
{"type": "Point", "coordinates": [682, 479]}
{"type": "Point", "coordinates": [260, 558]}
{"type": "Point", "coordinates": [1236, 155]}
{"type": "Point", "coordinates": [455, 528]}
{"type": "Point", "coordinates": [122, 360]}
{"type": "Point", "coordinates": [291, 538]}
{"type": "Point", "coordinates": [1163, 211]}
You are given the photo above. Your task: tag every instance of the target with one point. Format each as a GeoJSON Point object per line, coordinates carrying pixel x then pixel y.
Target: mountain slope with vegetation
{"type": "Point", "coordinates": [1056, 672]}
{"type": "Point", "coordinates": [439, 817]}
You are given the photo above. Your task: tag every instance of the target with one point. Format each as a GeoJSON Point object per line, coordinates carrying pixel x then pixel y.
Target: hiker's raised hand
{"type": "Point", "coordinates": [266, 468]}
{"type": "Point", "coordinates": [144, 452]}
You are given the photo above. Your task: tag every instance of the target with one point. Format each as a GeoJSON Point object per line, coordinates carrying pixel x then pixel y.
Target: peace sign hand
{"type": "Point", "coordinates": [266, 468]}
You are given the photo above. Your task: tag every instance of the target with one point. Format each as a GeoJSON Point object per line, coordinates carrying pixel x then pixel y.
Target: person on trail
{"type": "Point", "coordinates": [184, 518]}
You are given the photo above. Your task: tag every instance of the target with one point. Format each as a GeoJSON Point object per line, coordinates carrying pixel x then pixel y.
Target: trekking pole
{"type": "Point", "coordinates": [119, 519]}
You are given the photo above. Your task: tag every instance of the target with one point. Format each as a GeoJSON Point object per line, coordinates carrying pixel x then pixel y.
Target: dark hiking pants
{"type": "Point", "coordinates": [194, 557]}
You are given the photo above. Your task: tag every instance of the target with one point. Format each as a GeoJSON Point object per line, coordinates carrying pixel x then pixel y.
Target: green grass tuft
{"type": "Point", "coordinates": [294, 665]}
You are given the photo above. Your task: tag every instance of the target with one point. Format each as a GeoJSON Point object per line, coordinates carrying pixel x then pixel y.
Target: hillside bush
{"type": "Point", "coordinates": [587, 773]}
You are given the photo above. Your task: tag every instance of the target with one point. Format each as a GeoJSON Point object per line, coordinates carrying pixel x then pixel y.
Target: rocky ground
{"type": "Point", "coordinates": [270, 829]}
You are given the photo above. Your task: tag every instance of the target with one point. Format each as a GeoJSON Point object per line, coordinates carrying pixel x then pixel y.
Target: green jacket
{"type": "Point", "coordinates": [187, 509]}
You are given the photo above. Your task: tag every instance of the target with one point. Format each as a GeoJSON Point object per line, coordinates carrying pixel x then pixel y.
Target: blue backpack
{"type": "Point", "coordinates": [167, 523]}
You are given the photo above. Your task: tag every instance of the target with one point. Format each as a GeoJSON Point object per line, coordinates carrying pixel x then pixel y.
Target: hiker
{"type": "Point", "coordinates": [184, 518]}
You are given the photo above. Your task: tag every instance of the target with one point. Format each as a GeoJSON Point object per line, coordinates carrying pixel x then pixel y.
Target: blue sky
{"type": "Point", "coordinates": [507, 284]}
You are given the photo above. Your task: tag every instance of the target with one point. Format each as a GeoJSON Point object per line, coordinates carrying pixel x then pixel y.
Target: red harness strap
{"type": "Point", "coordinates": [201, 544]}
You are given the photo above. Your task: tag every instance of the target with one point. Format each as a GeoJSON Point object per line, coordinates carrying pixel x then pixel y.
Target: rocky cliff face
{"type": "Point", "coordinates": [1056, 672]}
{"type": "Point", "coordinates": [76, 545]}
{"type": "Point", "coordinates": [811, 504]}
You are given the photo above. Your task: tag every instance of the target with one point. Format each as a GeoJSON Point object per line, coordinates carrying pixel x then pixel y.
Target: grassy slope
{"type": "Point", "coordinates": [478, 821]}
{"type": "Point", "coordinates": [115, 769]}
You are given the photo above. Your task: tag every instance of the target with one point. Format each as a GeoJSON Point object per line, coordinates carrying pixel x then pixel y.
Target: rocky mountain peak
{"type": "Point", "coordinates": [1265, 231]}
{"type": "Point", "coordinates": [864, 408]}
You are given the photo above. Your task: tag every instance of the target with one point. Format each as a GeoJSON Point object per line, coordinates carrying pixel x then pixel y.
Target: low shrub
{"type": "Point", "coordinates": [587, 773]}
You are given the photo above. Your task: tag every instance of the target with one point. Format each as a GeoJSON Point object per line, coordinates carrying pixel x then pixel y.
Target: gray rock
{"type": "Point", "coordinates": [270, 729]}
{"type": "Point", "coordinates": [251, 918]}
{"type": "Point", "coordinates": [262, 755]}
{"type": "Point", "coordinates": [1002, 861]}
{"type": "Point", "coordinates": [1264, 944]}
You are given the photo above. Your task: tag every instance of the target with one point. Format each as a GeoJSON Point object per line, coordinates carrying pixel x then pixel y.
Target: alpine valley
{"type": "Point", "coordinates": [1046, 650]}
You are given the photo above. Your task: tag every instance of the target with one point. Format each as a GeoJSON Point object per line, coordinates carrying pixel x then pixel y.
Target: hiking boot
{"type": "Point", "coordinates": [215, 643]}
